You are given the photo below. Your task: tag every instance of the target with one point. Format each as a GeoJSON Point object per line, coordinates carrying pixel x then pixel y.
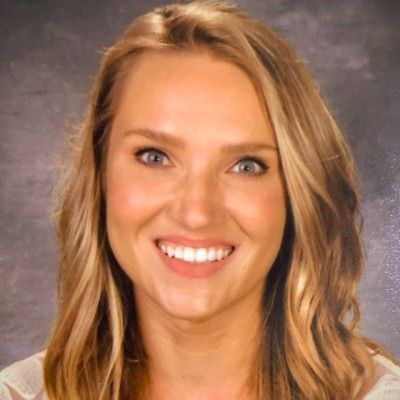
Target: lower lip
{"type": "Point", "coordinates": [193, 270]}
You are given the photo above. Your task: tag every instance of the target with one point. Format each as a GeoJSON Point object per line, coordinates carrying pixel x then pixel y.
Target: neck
{"type": "Point", "coordinates": [213, 358]}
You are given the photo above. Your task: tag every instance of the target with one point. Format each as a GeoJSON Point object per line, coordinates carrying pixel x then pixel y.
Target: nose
{"type": "Point", "coordinates": [196, 203]}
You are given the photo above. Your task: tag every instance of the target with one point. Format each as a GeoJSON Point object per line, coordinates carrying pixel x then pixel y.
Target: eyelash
{"type": "Point", "coordinates": [139, 152]}
{"type": "Point", "coordinates": [261, 164]}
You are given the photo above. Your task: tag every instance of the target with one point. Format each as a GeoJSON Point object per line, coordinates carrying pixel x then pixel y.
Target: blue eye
{"type": "Point", "coordinates": [250, 166]}
{"type": "Point", "coordinates": [151, 156]}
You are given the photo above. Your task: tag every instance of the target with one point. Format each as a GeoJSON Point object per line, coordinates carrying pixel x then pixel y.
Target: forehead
{"type": "Point", "coordinates": [177, 90]}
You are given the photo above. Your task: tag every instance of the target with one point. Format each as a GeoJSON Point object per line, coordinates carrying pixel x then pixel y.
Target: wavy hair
{"type": "Point", "coordinates": [310, 348]}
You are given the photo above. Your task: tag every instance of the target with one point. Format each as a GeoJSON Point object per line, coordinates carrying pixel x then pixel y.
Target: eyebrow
{"type": "Point", "coordinates": [168, 139]}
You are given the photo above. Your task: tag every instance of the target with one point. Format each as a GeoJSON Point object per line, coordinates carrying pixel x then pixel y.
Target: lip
{"type": "Point", "coordinates": [193, 270]}
{"type": "Point", "coordinates": [195, 243]}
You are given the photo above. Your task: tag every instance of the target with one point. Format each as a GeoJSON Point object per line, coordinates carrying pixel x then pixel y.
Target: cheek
{"type": "Point", "coordinates": [129, 196]}
{"type": "Point", "coordinates": [261, 209]}
{"type": "Point", "coordinates": [131, 201]}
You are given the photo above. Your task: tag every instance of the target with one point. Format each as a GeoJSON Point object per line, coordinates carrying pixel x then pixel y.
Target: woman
{"type": "Point", "coordinates": [209, 228]}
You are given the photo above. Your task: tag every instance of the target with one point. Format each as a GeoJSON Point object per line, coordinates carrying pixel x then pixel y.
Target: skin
{"type": "Point", "coordinates": [201, 334]}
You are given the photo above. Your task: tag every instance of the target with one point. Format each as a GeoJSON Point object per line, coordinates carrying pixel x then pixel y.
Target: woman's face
{"type": "Point", "coordinates": [192, 171]}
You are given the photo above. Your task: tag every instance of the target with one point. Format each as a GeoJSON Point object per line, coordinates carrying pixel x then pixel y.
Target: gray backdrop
{"type": "Point", "coordinates": [49, 53]}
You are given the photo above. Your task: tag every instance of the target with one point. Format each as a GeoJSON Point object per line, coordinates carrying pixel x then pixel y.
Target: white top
{"type": "Point", "coordinates": [23, 380]}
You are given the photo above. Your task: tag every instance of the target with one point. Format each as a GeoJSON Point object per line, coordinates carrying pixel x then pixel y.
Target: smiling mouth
{"type": "Point", "coordinates": [194, 255]}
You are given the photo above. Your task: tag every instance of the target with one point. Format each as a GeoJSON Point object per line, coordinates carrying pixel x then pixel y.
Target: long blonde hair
{"type": "Point", "coordinates": [311, 349]}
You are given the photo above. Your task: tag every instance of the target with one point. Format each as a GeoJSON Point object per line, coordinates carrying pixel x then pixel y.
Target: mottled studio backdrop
{"type": "Point", "coordinates": [49, 51]}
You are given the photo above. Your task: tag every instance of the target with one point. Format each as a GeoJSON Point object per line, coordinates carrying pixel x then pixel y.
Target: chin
{"type": "Point", "coordinates": [189, 306]}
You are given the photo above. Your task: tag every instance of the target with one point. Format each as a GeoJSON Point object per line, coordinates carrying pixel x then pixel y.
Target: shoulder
{"type": "Point", "coordinates": [387, 386]}
{"type": "Point", "coordinates": [23, 379]}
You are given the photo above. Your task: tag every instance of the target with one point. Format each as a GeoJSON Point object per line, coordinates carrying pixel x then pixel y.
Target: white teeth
{"type": "Point", "coordinates": [201, 255]}
{"type": "Point", "coordinates": [212, 255]}
{"type": "Point", "coordinates": [170, 251]}
{"type": "Point", "coordinates": [193, 255]}
{"type": "Point", "coordinates": [178, 253]}
{"type": "Point", "coordinates": [189, 254]}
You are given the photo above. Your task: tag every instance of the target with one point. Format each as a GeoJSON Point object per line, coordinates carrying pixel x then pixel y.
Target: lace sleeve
{"type": "Point", "coordinates": [23, 380]}
{"type": "Point", "coordinates": [388, 386]}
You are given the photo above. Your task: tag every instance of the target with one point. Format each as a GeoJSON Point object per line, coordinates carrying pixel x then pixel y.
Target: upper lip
{"type": "Point", "coordinates": [195, 243]}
